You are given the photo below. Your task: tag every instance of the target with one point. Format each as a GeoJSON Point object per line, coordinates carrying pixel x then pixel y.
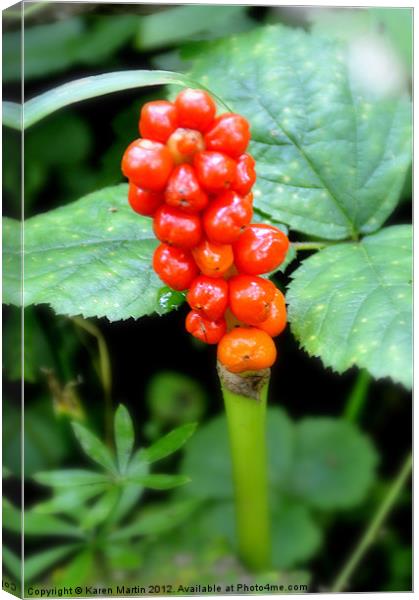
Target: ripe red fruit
{"type": "Point", "coordinates": [250, 298]}
{"type": "Point", "coordinates": [184, 191]}
{"type": "Point", "coordinates": [144, 202]}
{"type": "Point", "coordinates": [260, 249]}
{"type": "Point", "coordinates": [213, 260]}
{"type": "Point", "coordinates": [245, 174]}
{"type": "Point", "coordinates": [148, 164]}
{"type": "Point", "coordinates": [196, 109]}
{"type": "Point", "coordinates": [174, 227]}
{"type": "Point", "coordinates": [183, 144]}
{"type": "Point", "coordinates": [205, 330]}
{"type": "Point", "coordinates": [158, 120]}
{"type": "Point", "coordinates": [246, 349]}
{"type": "Point", "coordinates": [209, 297]}
{"type": "Point", "coordinates": [277, 317]}
{"type": "Point", "coordinates": [226, 217]}
{"type": "Point", "coordinates": [215, 171]}
{"type": "Point", "coordinates": [230, 133]}
{"type": "Point", "coordinates": [175, 266]}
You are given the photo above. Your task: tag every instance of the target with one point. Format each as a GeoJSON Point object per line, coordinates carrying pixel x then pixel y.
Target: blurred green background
{"type": "Point", "coordinates": [78, 150]}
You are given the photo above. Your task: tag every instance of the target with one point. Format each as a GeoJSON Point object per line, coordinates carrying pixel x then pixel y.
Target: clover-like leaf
{"type": "Point", "coordinates": [330, 161]}
{"type": "Point", "coordinates": [92, 257]}
{"type": "Point", "coordinates": [124, 436]}
{"type": "Point", "coordinates": [351, 304]}
{"type": "Point", "coordinates": [334, 464]}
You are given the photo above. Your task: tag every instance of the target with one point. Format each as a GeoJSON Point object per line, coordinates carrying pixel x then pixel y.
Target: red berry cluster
{"type": "Point", "coordinates": [191, 173]}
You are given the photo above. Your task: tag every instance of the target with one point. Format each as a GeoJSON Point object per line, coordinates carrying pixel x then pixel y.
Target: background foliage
{"type": "Point", "coordinates": [333, 160]}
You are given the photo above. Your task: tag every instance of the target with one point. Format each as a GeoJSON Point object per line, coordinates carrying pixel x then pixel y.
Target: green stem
{"type": "Point", "coordinates": [105, 370]}
{"type": "Point", "coordinates": [245, 402]}
{"type": "Point", "coordinates": [358, 396]}
{"type": "Point", "coordinates": [301, 246]}
{"type": "Point", "coordinates": [375, 525]}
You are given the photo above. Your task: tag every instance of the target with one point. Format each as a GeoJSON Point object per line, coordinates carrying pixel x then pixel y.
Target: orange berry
{"type": "Point", "coordinates": [246, 349]}
{"type": "Point", "coordinates": [213, 260]}
{"type": "Point", "coordinates": [277, 318]}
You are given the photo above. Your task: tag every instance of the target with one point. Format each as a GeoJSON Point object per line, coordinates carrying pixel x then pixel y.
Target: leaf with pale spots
{"type": "Point", "coordinates": [351, 304]}
{"type": "Point", "coordinates": [330, 161]}
{"type": "Point", "coordinates": [91, 258]}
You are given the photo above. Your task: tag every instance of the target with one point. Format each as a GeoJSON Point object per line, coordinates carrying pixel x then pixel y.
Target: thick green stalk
{"type": "Point", "coordinates": [245, 402]}
{"type": "Point", "coordinates": [383, 510]}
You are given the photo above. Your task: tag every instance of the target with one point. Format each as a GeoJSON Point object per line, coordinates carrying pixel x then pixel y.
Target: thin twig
{"type": "Point", "coordinates": [374, 527]}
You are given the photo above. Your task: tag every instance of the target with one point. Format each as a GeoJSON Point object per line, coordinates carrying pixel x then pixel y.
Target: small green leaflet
{"type": "Point", "coordinates": [124, 436]}
{"type": "Point", "coordinates": [330, 161]}
{"type": "Point", "coordinates": [351, 304]}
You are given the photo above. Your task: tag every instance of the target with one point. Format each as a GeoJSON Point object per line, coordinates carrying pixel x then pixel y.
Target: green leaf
{"type": "Point", "coordinates": [207, 456]}
{"type": "Point", "coordinates": [160, 481]}
{"type": "Point", "coordinates": [157, 519]}
{"type": "Point", "coordinates": [351, 304]}
{"type": "Point", "coordinates": [128, 498]}
{"type": "Point", "coordinates": [92, 257]}
{"type": "Point", "coordinates": [169, 299]}
{"type": "Point", "coordinates": [178, 24]}
{"type": "Point", "coordinates": [330, 161]}
{"type": "Point", "coordinates": [69, 500]}
{"type": "Point", "coordinates": [70, 478]}
{"type": "Point", "coordinates": [35, 523]}
{"type": "Point", "coordinates": [12, 562]}
{"type": "Point", "coordinates": [36, 564]}
{"type": "Point", "coordinates": [88, 87]}
{"type": "Point", "coordinates": [94, 447]}
{"type": "Point", "coordinates": [78, 570]}
{"type": "Point", "coordinates": [12, 261]}
{"type": "Point", "coordinates": [100, 510]}
{"type": "Point", "coordinates": [169, 443]}
{"type": "Point", "coordinates": [44, 524]}
{"type": "Point", "coordinates": [12, 114]}
{"type": "Point", "coordinates": [295, 535]}
{"type": "Point", "coordinates": [334, 464]}
{"type": "Point", "coordinates": [124, 436]}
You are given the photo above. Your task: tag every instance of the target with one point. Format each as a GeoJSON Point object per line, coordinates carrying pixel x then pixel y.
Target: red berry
{"type": "Point", "coordinates": [158, 120]}
{"type": "Point", "coordinates": [147, 164]}
{"type": "Point", "coordinates": [260, 249]}
{"type": "Point", "coordinates": [184, 191]}
{"type": "Point", "coordinates": [144, 202]}
{"type": "Point", "coordinates": [174, 227]}
{"type": "Point", "coordinates": [246, 349]}
{"type": "Point", "coordinates": [226, 217]}
{"type": "Point", "coordinates": [213, 260]}
{"type": "Point", "coordinates": [175, 267]}
{"type": "Point", "coordinates": [230, 134]}
{"type": "Point", "coordinates": [215, 171]}
{"type": "Point", "coordinates": [205, 330]}
{"type": "Point", "coordinates": [183, 144]}
{"type": "Point", "coordinates": [196, 109]}
{"type": "Point", "coordinates": [245, 174]}
{"type": "Point", "coordinates": [209, 297]}
{"type": "Point", "coordinates": [277, 317]}
{"type": "Point", "coordinates": [250, 298]}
